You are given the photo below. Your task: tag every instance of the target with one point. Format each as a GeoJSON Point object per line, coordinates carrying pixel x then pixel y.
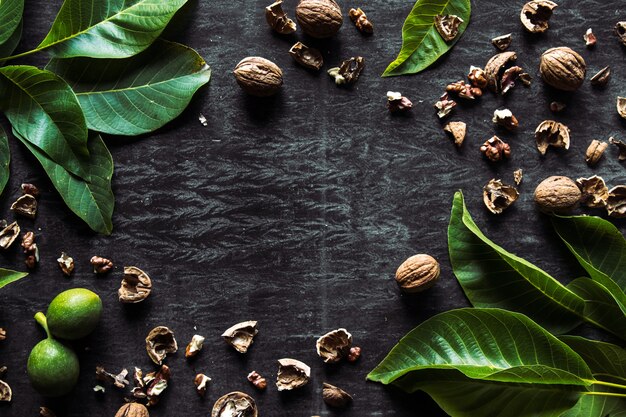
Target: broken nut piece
{"type": "Point", "coordinates": [194, 346]}
{"type": "Point", "coordinates": [46, 412]}
{"type": "Point", "coordinates": [26, 206]}
{"type": "Point", "coordinates": [621, 146]}
{"type": "Point", "coordinates": [620, 31]}
{"type": "Point", "coordinates": [156, 383]}
{"type": "Point", "coordinates": [495, 149]}
{"type": "Point", "coordinates": [351, 69]}
{"type": "Point", "coordinates": [241, 335]}
{"type": "Point", "coordinates": [457, 130]}
{"type": "Point", "coordinates": [334, 345]}
{"type": "Point", "coordinates": [30, 249]}
{"type": "Point", "coordinates": [354, 354]}
{"type": "Point", "coordinates": [551, 133]}
{"type": "Point", "coordinates": [201, 382]}
{"type": "Point", "coordinates": [495, 69]}
{"type": "Point", "coordinates": [557, 106]}
{"type": "Point", "coordinates": [30, 189]}
{"type": "Point", "coordinates": [257, 380]}
{"type": "Point", "coordinates": [601, 78]}
{"type": "Point", "coordinates": [292, 374]}
{"type": "Point", "coordinates": [66, 263]}
{"type": "Point", "coordinates": [595, 193]}
{"type": "Point", "coordinates": [136, 285]}
{"type": "Point", "coordinates": [477, 77]}
{"type": "Point", "coordinates": [621, 106]}
{"type": "Point", "coordinates": [5, 392]}
{"type": "Point", "coordinates": [3, 336]}
{"type": "Point", "coordinates": [235, 404]}
{"type": "Point", "coordinates": [536, 14]}
{"type": "Point", "coordinates": [335, 396]}
{"type": "Point", "coordinates": [505, 119]}
{"type": "Point", "coordinates": [444, 106]}
{"type": "Point", "coordinates": [397, 103]}
{"type": "Point", "coordinates": [464, 90]}
{"type": "Point", "coordinates": [595, 151]}
{"type": "Point", "coordinates": [360, 20]}
{"type": "Point", "coordinates": [307, 57]}
{"type": "Point", "coordinates": [118, 380]}
{"type": "Point", "coordinates": [8, 235]}
{"type": "Point", "coordinates": [498, 196]}
{"type": "Point", "coordinates": [278, 20]}
{"type": "Point", "coordinates": [502, 42]}
{"type": "Point", "coordinates": [448, 26]}
{"type": "Point", "coordinates": [100, 265]}
{"type": "Point", "coordinates": [159, 342]}
{"type": "Point", "coordinates": [518, 174]}
{"type": "Point", "coordinates": [589, 38]}
{"type": "Point", "coordinates": [616, 202]}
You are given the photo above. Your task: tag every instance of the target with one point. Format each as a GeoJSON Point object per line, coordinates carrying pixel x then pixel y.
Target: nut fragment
{"type": "Point", "coordinates": [334, 345]}
{"type": "Point", "coordinates": [448, 26]}
{"type": "Point", "coordinates": [159, 342]}
{"type": "Point", "coordinates": [498, 197]}
{"type": "Point", "coordinates": [525, 78]}
{"type": "Point", "coordinates": [156, 383]}
{"type": "Point", "coordinates": [307, 57]}
{"type": "Point", "coordinates": [505, 119]}
{"type": "Point", "coordinates": [351, 69]}
{"type": "Point", "coordinates": [557, 194]}
{"type": "Point", "coordinates": [444, 106]}
{"type": "Point", "coordinates": [26, 206]}
{"type": "Point", "coordinates": [495, 68]}
{"type": "Point", "coordinates": [194, 346]}
{"type": "Point", "coordinates": [136, 285]}
{"type": "Point", "coordinates": [292, 374]}
{"type": "Point", "coordinates": [510, 75]}
{"type": "Point", "coordinates": [258, 76]}
{"type": "Point", "coordinates": [278, 20]}
{"type": "Point", "coordinates": [30, 249]}
{"type": "Point", "coordinates": [354, 354]}
{"type": "Point", "coordinates": [595, 151]}
{"type": "Point", "coordinates": [30, 189]}
{"type": "Point", "coordinates": [118, 380]}
{"type": "Point", "coordinates": [319, 18]}
{"type": "Point", "coordinates": [457, 130]}
{"type": "Point", "coordinates": [201, 381]}
{"type": "Point", "coordinates": [417, 273]}
{"type": "Point", "coordinates": [464, 90]}
{"type": "Point", "coordinates": [397, 103]}
{"type": "Point", "coordinates": [132, 410]}
{"type": "Point", "coordinates": [257, 380]}
{"type": "Point", "coordinates": [66, 263]}
{"type": "Point", "coordinates": [557, 106]}
{"type": "Point", "coordinates": [602, 77]}
{"type": "Point", "coordinates": [536, 14]}
{"type": "Point", "coordinates": [235, 404]}
{"type": "Point", "coordinates": [241, 335]}
{"type": "Point", "coordinates": [589, 38]}
{"type": "Point", "coordinates": [616, 203]}
{"type": "Point", "coordinates": [361, 21]}
{"type": "Point", "coordinates": [620, 31]}
{"type": "Point", "coordinates": [502, 42]}
{"type": "Point", "coordinates": [335, 397]}
{"type": "Point", "coordinates": [594, 191]}
{"type": "Point", "coordinates": [9, 234]}
{"type": "Point", "coordinates": [5, 391]}
{"type": "Point", "coordinates": [563, 68]}
{"type": "Point", "coordinates": [621, 106]}
{"type": "Point", "coordinates": [477, 77]}
{"type": "Point", "coordinates": [495, 149]}
{"type": "Point", "coordinates": [518, 174]}
{"type": "Point", "coordinates": [551, 133]}
{"type": "Point", "coordinates": [46, 412]}
{"type": "Point", "coordinates": [3, 334]}
{"type": "Point", "coordinates": [621, 146]}
{"type": "Point", "coordinates": [100, 265]}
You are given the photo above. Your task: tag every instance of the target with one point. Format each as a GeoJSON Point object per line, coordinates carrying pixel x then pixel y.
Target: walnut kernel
{"type": "Point", "coordinates": [495, 149]}
{"type": "Point", "coordinates": [66, 263]}
{"type": "Point", "coordinates": [361, 21]}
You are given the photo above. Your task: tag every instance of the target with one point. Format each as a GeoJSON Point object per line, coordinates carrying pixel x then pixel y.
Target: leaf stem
{"type": "Point", "coordinates": [23, 54]}
{"type": "Point", "coordinates": [606, 384]}
{"type": "Point", "coordinates": [43, 322]}
{"type": "Point", "coordinates": [604, 394]}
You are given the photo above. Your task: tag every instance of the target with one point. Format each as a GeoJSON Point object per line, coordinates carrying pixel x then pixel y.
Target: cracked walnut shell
{"type": "Point", "coordinates": [498, 197]}
{"type": "Point", "coordinates": [595, 193]}
{"type": "Point", "coordinates": [496, 68]}
{"type": "Point", "coordinates": [319, 18]}
{"type": "Point", "coordinates": [563, 68]}
{"type": "Point", "coordinates": [536, 14]}
{"type": "Point", "coordinates": [136, 285]}
{"type": "Point", "coordinates": [235, 404]}
{"type": "Point", "coordinates": [159, 342]}
{"type": "Point", "coordinates": [292, 374]}
{"type": "Point", "coordinates": [258, 76]}
{"type": "Point", "coordinates": [241, 335]}
{"type": "Point", "coordinates": [616, 203]}
{"type": "Point", "coordinates": [278, 20]}
{"type": "Point", "coordinates": [335, 396]}
{"type": "Point", "coordinates": [334, 346]}
{"type": "Point", "coordinates": [417, 273]}
{"type": "Point", "coordinates": [551, 133]}
{"type": "Point", "coordinates": [557, 194]}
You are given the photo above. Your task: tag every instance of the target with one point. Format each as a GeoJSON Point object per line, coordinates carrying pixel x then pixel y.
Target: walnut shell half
{"type": "Point", "coordinates": [557, 194]}
{"type": "Point", "coordinates": [536, 14]}
{"type": "Point", "coordinates": [292, 374]}
{"type": "Point", "coordinates": [616, 203]}
{"type": "Point", "coordinates": [5, 392]}
{"type": "Point", "coordinates": [319, 18]}
{"type": "Point", "coordinates": [621, 106]}
{"type": "Point", "coordinates": [498, 197]}
{"type": "Point", "coordinates": [551, 133]}
{"type": "Point", "coordinates": [136, 286]}
{"type": "Point", "coordinates": [334, 346]}
{"type": "Point", "coordinates": [241, 335]}
{"type": "Point", "coordinates": [417, 273]}
{"type": "Point", "coordinates": [495, 68]}
{"type": "Point", "coordinates": [594, 191]}
{"type": "Point", "coordinates": [159, 342]}
{"type": "Point", "coordinates": [235, 404]}
{"type": "Point", "coordinates": [563, 68]}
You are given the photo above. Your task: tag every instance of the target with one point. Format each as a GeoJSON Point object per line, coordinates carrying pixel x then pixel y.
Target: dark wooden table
{"type": "Point", "coordinates": [296, 210]}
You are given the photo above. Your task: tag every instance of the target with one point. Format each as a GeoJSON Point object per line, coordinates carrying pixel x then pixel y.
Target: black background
{"type": "Point", "coordinates": [296, 210]}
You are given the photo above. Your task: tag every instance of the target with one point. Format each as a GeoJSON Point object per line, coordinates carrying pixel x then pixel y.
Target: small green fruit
{"type": "Point", "coordinates": [73, 314]}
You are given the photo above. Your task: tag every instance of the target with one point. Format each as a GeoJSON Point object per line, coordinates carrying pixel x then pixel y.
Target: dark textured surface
{"type": "Point", "coordinates": [295, 211]}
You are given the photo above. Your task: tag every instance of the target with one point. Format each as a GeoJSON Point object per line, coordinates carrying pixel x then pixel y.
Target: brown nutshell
{"type": "Point", "coordinates": [536, 14]}
{"type": "Point", "coordinates": [602, 77]}
{"type": "Point", "coordinates": [241, 335]}
{"type": "Point", "coordinates": [417, 273]}
{"type": "Point", "coordinates": [457, 130]}
{"type": "Point", "coordinates": [132, 410]}
{"type": "Point", "coordinates": [595, 151]}
{"type": "Point", "coordinates": [502, 42]}
{"type": "Point", "coordinates": [594, 191]}
{"type": "Point", "coordinates": [5, 391]}
{"type": "Point", "coordinates": [136, 286]}
{"type": "Point", "coordinates": [335, 396]}
{"type": "Point", "coordinates": [616, 202]}
{"type": "Point", "coordinates": [621, 146]}
{"type": "Point", "coordinates": [292, 374]}
{"type": "Point", "coordinates": [495, 68]}
{"type": "Point", "coordinates": [498, 196]}
{"type": "Point", "coordinates": [621, 106]}
{"type": "Point", "coordinates": [307, 57]}
{"type": "Point", "coordinates": [159, 342]}
{"type": "Point", "coordinates": [557, 194]}
{"type": "Point", "coordinates": [26, 206]}
{"type": "Point", "coordinates": [319, 18]}
{"type": "Point", "coordinates": [620, 31]}
{"type": "Point", "coordinates": [334, 345]}
{"type": "Point", "coordinates": [278, 20]}
{"type": "Point", "coordinates": [551, 133]}
{"type": "Point", "coordinates": [9, 234]}
{"type": "Point", "coordinates": [448, 26]}
{"type": "Point", "coordinates": [235, 404]}
{"type": "Point", "coordinates": [563, 68]}
{"type": "Point", "coordinates": [258, 76]}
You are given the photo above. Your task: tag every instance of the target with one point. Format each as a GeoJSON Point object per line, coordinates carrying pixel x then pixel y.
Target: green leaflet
{"type": "Point", "coordinates": [487, 362]}
{"type": "Point", "coordinates": [44, 110]}
{"type": "Point", "coordinates": [5, 159]}
{"type": "Point", "coordinates": [10, 18]}
{"type": "Point", "coordinates": [108, 29]}
{"type": "Point", "coordinates": [607, 362]}
{"type": "Point", "coordinates": [492, 277]}
{"type": "Point", "coordinates": [421, 43]}
{"type": "Point", "coordinates": [11, 43]}
{"type": "Point", "coordinates": [91, 201]}
{"type": "Point", "coordinates": [7, 276]}
{"type": "Point", "coordinates": [135, 95]}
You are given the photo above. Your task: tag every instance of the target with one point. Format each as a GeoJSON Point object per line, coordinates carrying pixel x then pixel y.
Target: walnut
{"type": "Point", "coordinates": [235, 404]}
{"type": "Point", "coordinates": [354, 354]}
{"type": "Point", "coordinates": [397, 103]}
{"type": "Point", "coordinates": [557, 106]}
{"type": "Point", "coordinates": [502, 42]}
{"type": "Point", "coordinates": [464, 90]}
{"type": "Point", "coordinates": [100, 265]}
{"type": "Point", "coordinates": [194, 346]}
{"type": "Point", "coordinates": [602, 77]}
{"type": "Point", "coordinates": [616, 203]}
{"type": "Point", "coordinates": [495, 149]}
{"type": "Point", "coordinates": [594, 191]}
{"type": "Point", "coordinates": [536, 14]}
{"type": "Point", "coordinates": [5, 392]}
{"type": "Point", "coordinates": [136, 285]}
{"type": "Point", "coordinates": [132, 410]}
{"type": "Point", "coordinates": [26, 206]}
{"type": "Point", "coordinates": [444, 106]}
{"type": "Point", "coordinates": [257, 380]}
{"type": "Point", "coordinates": [334, 346]}
{"type": "Point", "coordinates": [159, 342]}
{"type": "Point", "coordinates": [335, 397]}
{"type": "Point", "coordinates": [563, 68]}
{"type": "Point", "coordinates": [292, 374]}
{"type": "Point", "coordinates": [30, 189]}
{"type": "Point", "coordinates": [551, 133]}
{"type": "Point", "coordinates": [241, 335]}
{"type": "Point", "coordinates": [498, 197]}
{"type": "Point", "coordinates": [30, 249]}
{"type": "Point", "coordinates": [66, 263]}
{"type": "Point", "coordinates": [156, 383]}
{"type": "Point", "coordinates": [495, 68]}
{"type": "Point", "coordinates": [361, 21]}
{"type": "Point", "coordinates": [9, 234]}
{"type": "Point", "coordinates": [621, 146]}
{"type": "Point", "coordinates": [506, 119]}
{"type": "Point", "coordinates": [278, 20]}
{"type": "Point", "coordinates": [448, 26]}
{"type": "Point", "coordinates": [258, 76]}
{"type": "Point", "coordinates": [457, 130]}
{"type": "Point", "coordinates": [557, 194]}
{"type": "Point", "coordinates": [589, 38]}
{"type": "Point", "coordinates": [319, 18]}
{"type": "Point", "coordinates": [307, 57]}
{"type": "Point", "coordinates": [201, 382]}
{"type": "Point", "coordinates": [621, 106]}
{"type": "Point", "coordinates": [477, 77]}
{"type": "Point", "coordinates": [518, 175]}
{"type": "Point", "coordinates": [351, 69]}
{"type": "Point", "coordinates": [595, 151]}
{"type": "Point", "coordinates": [510, 75]}
{"type": "Point", "coordinates": [620, 31]}
{"type": "Point", "coordinates": [417, 273]}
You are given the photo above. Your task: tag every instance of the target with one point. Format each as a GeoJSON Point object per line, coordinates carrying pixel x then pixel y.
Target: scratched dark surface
{"type": "Point", "coordinates": [296, 210]}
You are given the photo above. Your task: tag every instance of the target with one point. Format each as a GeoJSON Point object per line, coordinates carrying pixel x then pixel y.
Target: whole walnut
{"type": "Point", "coordinates": [319, 18]}
{"type": "Point", "coordinates": [258, 76]}
{"type": "Point", "coordinates": [557, 194]}
{"type": "Point", "coordinates": [132, 410]}
{"type": "Point", "coordinates": [563, 68]}
{"type": "Point", "coordinates": [417, 273]}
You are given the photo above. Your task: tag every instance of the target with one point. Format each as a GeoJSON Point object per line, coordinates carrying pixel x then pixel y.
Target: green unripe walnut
{"type": "Point", "coordinates": [74, 313]}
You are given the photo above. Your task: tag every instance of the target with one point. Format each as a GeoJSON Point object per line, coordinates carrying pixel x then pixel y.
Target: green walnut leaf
{"type": "Point", "coordinates": [492, 277]}
{"type": "Point", "coordinates": [10, 19]}
{"type": "Point", "coordinates": [108, 29]}
{"type": "Point", "coordinates": [135, 95]}
{"type": "Point", "coordinates": [44, 110]}
{"type": "Point", "coordinates": [92, 200]}
{"type": "Point", "coordinates": [5, 159]}
{"type": "Point", "coordinates": [7, 276]}
{"type": "Point", "coordinates": [11, 43]}
{"type": "Point", "coordinates": [487, 362]}
{"type": "Point", "coordinates": [422, 45]}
